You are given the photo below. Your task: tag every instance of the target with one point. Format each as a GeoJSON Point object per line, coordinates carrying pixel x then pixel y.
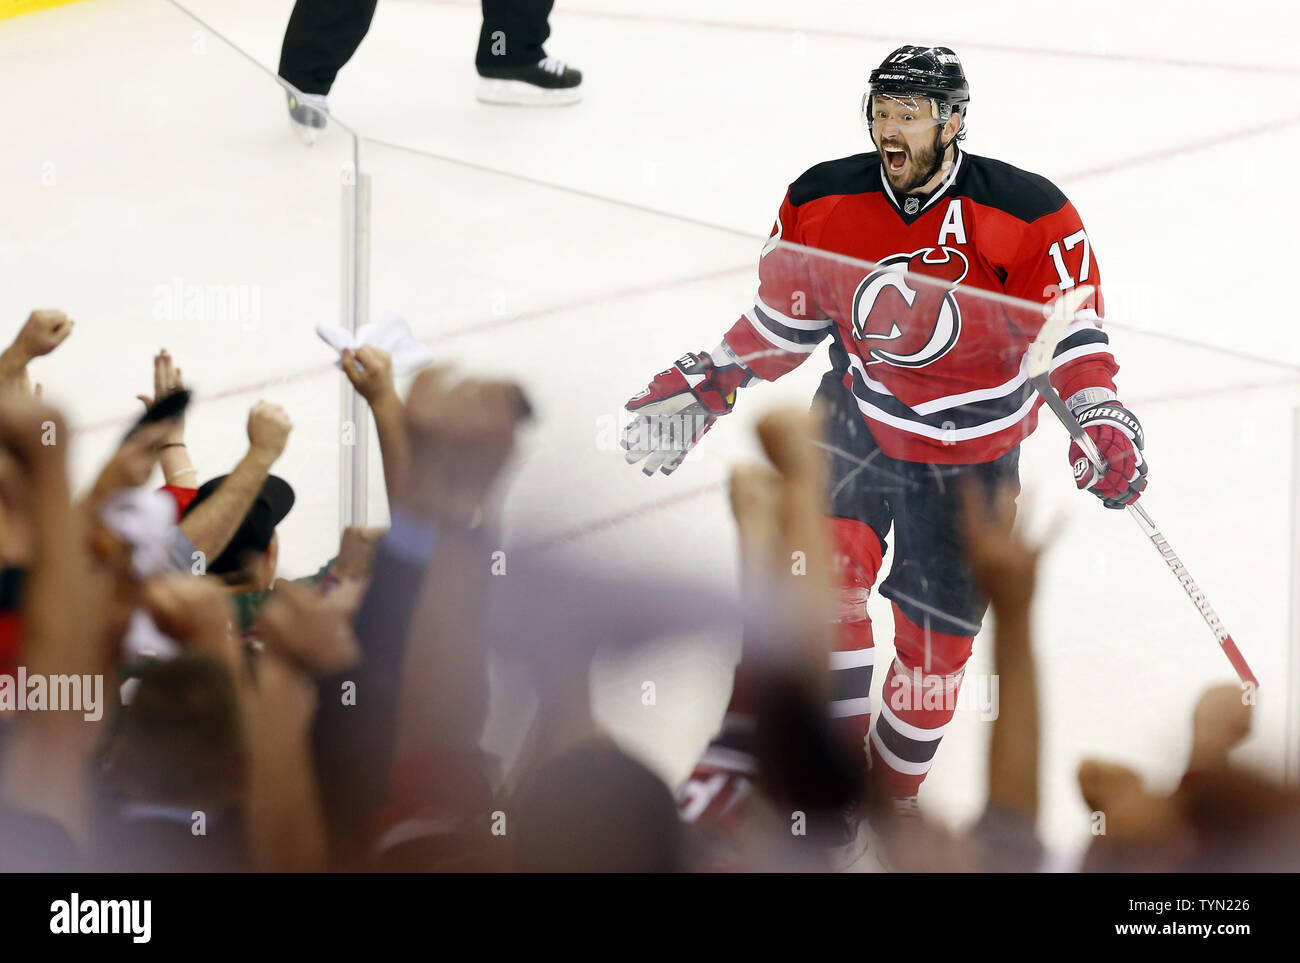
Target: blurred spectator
{"type": "Point", "coordinates": [1219, 819]}
{"type": "Point", "coordinates": [209, 768]}
{"type": "Point", "coordinates": [210, 523]}
{"type": "Point", "coordinates": [232, 518]}
{"type": "Point", "coordinates": [594, 809]}
{"type": "Point", "coordinates": [428, 572]}
{"type": "Point", "coordinates": [247, 563]}
{"type": "Point", "coordinates": [336, 722]}
{"type": "Point", "coordinates": [175, 773]}
{"type": "Point", "coordinates": [45, 796]}
{"type": "Point", "coordinates": [44, 331]}
{"type": "Point", "coordinates": [370, 371]}
{"type": "Point", "coordinates": [180, 479]}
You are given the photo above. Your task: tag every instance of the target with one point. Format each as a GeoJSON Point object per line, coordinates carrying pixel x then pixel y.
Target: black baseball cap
{"type": "Point", "coordinates": [254, 533]}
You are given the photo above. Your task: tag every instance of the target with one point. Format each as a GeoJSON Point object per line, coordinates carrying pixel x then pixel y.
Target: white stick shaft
{"type": "Point", "coordinates": [1139, 514]}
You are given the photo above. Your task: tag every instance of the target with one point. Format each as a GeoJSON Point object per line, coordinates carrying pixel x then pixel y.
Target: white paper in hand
{"type": "Point", "coordinates": [390, 334]}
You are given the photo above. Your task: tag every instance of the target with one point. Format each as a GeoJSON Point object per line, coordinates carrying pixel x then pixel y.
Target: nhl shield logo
{"type": "Point", "coordinates": [911, 205]}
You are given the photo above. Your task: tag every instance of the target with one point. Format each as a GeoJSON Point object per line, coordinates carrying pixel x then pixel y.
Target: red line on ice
{"type": "Point", "coordinates": [566, 10]}
{"type": "Point", "coordinates": [595, 525]}
{"type": "Point", "coordinates": [1156, 156]}
{"type": "Point", "coordinates": [203, 397]}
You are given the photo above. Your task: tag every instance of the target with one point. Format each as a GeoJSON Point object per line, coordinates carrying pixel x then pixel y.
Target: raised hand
{"type": "Point", "coordinates": [45, 330]}
{"type": "Point", "coordinates": [166, 379]}
{"type": "Point", "coordinates": [371, 372]}
{"type": "Point", "coordinates": [133, 461]}
{"type": "Point", "coordinates": [34, 434]}
{"type": "Point", "coordinates": [1005, 565]}
{"type": "Point", "coordinates": [1220, 721]}
{"type": "Point", "coordinates": [461, 433]}
{"type": "Point", "coordinates": [268, 431]}
{"type": "Point", "coordinates": [311, 630]}
{"type": "Point", "coordinates": [197, 613]}
{"type": "Point", "coordinates": [356, 553]}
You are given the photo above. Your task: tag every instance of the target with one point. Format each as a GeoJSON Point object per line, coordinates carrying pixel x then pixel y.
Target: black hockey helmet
{"type": "Point", "coordinates": [931, 72]}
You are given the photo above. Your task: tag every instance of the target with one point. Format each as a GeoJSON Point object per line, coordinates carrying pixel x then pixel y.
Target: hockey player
{"type": "Point", "coordinates": [927, 390]}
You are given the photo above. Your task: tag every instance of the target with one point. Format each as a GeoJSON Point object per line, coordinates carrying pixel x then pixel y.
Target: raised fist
{"type": "Point", "coordinates": [45, 330]}
{"type": "Point", "coordinates": [268, 430]}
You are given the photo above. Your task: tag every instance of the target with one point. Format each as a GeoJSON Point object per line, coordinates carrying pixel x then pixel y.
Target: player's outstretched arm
{"type": "Point", "coordinates": [769, 340]}
{"type": "Point", "coordinates": [680, 405]}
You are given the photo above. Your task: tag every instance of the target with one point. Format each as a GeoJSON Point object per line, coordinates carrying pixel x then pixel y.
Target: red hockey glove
{"type": "Point", "coordinates": [678, 407]}
{"type": "Point", "coordinates": [1118, 436]}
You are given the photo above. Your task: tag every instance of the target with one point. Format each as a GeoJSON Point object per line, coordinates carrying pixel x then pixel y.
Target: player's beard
{"type": "Point", "coordinates": [919, 168]}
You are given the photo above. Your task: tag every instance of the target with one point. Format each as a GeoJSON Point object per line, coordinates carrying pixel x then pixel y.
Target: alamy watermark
{"type": "Point", "coordinates": [128, 917]}
{"type": "Point", "coordinates": [912, 689]}
{"type": "Point", "coordinates": [184, 301]}
{"type": "Point", "coordinates": [34, 692]}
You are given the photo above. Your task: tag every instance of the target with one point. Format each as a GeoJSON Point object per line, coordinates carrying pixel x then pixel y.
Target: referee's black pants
{"type": "Point", "coordinates": [324, 34]}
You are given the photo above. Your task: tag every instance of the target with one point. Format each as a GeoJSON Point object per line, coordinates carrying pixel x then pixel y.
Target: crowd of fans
{"type": "Point", "coordinates": [334, 722]}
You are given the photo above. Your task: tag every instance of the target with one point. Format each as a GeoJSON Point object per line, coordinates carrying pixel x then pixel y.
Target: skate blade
{"type": "Point", "coordinates": [307, 135]}
{"type": "Point", "coordinates": [516, 93]}
{"type": "Point", "coordinates": [856, 856]}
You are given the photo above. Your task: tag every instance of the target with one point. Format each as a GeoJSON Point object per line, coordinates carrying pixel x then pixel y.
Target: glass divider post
{"type": "Point", "coordinates": [355, 308]}
{"type": "Point", "coordinates": [1292, 695]}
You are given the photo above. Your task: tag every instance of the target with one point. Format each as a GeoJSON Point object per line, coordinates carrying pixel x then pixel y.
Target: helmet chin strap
{"type": "Point", "coordinates": [939, 156]}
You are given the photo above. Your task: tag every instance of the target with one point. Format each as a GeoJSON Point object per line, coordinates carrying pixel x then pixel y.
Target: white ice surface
{"type": "Point", "coordinates": [139, 150]}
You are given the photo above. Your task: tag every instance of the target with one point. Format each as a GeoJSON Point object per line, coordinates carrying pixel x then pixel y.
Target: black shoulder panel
{"type": "Point", "coordinates": [858, 174]}
{"type": "Point", "coordinates": [998, 185]}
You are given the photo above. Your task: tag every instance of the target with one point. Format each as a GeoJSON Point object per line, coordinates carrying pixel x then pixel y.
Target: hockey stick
{"type": "Point", "coordinates": [1039, 369]}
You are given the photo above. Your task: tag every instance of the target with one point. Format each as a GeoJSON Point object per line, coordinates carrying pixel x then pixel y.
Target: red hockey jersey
{"type": "Point", "coordinates": [938, 370]}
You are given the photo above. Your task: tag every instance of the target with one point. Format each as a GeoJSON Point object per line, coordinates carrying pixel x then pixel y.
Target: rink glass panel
{"type": "Point", "coordinates": [182, 165]}
{"type": "Point", "coordinates": [170, 206]}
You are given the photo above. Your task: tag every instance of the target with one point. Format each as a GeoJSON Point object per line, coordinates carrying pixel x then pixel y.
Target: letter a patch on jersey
{"type": "Point", "coordinates": [952, 225]}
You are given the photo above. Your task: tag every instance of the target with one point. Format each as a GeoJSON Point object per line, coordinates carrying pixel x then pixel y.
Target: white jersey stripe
{"type": "Point", "coordinates": [841, 708]}
{"type": "Point", "coordinates": [948, 401]}
{"type": "Point", "coordinates": [853, 658]}
{"type": "Point", "coordinates": [803, 324]}
{"type": "Point", "coordinates": [946, 434]}
{"type": "Point", "coordinates": [1065, 357]}
{"type": "Point", "coordinates": [909, 731]}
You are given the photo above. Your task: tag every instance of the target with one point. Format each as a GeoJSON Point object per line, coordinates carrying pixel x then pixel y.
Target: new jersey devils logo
{"type": "Point", "coordinates": [906, 324]}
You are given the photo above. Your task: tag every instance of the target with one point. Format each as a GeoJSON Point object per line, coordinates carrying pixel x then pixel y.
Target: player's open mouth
{"type": "Point", "coordinates": [896, 159]}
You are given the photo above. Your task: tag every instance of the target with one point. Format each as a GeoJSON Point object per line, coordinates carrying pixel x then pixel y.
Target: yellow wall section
{"type": "Point", "coordinates": [12, 8]}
